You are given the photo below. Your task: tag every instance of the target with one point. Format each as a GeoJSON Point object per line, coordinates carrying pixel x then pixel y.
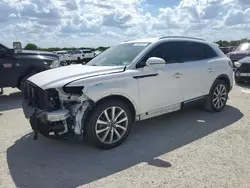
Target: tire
{"type": "Point", "coordinates": [108, 136]}
{"type": "Point", "coordinates": [20, 86]}
{"type": "Point", "coordinates": [217, 103]}
{"type": "Point", "coordinates": [79, 60]}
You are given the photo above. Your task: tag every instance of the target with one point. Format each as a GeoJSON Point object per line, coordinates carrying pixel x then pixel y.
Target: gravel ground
{"type": "Point", "coordinates": [189, 148]}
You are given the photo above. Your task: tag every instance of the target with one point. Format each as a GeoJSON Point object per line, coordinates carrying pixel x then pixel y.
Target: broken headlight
{"type": "Point", "coordinates": [73, 90]}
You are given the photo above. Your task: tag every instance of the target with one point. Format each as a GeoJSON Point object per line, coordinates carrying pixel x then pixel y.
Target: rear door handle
{"type": "Point", "coordinates": [177, 75]}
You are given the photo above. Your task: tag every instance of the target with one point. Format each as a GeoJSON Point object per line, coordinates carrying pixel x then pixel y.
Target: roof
{"type": "Point", "coordinates": [151, 40]}
{"type": "Point", "coordinates": [146, 40]}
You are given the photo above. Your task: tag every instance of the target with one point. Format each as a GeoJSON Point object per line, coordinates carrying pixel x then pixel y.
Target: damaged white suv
{"type": "Point", "coordinates": [130, 82]}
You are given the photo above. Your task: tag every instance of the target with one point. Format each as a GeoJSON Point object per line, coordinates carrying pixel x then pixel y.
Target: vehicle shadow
{"type": "Point", "coordinates": [11, 101]}
{"type": "Point", "coordinates": [245, 85]}
{"type": "Point", "coordinates": [51, 163]}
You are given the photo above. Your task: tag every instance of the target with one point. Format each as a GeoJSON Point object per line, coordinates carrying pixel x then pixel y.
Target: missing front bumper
{"type": "Point", "coordinates": [58, 115]}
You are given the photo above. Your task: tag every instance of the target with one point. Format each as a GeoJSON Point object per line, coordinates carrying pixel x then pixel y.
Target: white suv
{"type": "Point", "coordinates": [130, 82]}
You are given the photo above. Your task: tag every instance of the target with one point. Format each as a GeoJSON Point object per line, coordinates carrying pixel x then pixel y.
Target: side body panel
{"type": "Point", "coordinates": [121, 83]}
{"type": "Point", "coordinates": [9, 70]}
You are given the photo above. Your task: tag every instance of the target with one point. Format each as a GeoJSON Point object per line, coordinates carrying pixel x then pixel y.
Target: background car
{"type": "Point", "coordinates": [77, 56]}
{"type": "Point", "coordinates": [240, 52]}
{"type": "Point", "coordinates": [17, 65]}
{"type": "Point", "coordinates": [64, 56]}
{"type": "Point", "coordinates": [242, 71]}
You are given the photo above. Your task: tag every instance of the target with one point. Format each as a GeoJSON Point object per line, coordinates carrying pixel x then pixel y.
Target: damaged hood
{"type": "Point", "coordinates": [58, 77]}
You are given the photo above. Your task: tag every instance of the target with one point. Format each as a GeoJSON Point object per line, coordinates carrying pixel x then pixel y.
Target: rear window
{"type": "Point", "coordinates": [194, 51]}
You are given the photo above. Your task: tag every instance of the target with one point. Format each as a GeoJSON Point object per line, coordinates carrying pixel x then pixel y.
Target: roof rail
{"type": "Point", "coordinates": [181, 37]}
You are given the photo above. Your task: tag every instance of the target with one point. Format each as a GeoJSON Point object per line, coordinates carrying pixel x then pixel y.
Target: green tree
{"type": "Point", "coordinates": [31, 46]}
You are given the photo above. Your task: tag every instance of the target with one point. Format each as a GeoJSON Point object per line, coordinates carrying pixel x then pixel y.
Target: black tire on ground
{"type": "Point", "coordinates": [79, 60]}
{"type": "Point", "coordinates": [22, 81]}
{"type": "Point", "coordinates": [91, 123]}
{"type": "Point", "coordinates": [210, 100]}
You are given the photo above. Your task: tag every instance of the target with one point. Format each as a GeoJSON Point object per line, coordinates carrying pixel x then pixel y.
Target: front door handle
{"type": "Point", "coordinates": [177, 75]}
{"type": "Point", "coordinates": [210, 70]}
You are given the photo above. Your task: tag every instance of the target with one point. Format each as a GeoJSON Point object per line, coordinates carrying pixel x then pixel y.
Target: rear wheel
{"type": "Point", "coordinates": [79, 60]}
{"type": "Point", "coordinates": [217, 98]}
{"type": "Point", "coordinates": [109, 124]}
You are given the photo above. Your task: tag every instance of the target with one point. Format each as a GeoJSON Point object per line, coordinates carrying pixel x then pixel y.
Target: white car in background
{"type": "Point", "coordinates": [63, 56]}
{"type": "Point", "coordinates": [88, 55]}
{"type": "Point", "coordinates": [77, 56]}
{"type": "Point", "coordinates": [82, 56]}
{"type": "Point", "coordinates": [132, 81]}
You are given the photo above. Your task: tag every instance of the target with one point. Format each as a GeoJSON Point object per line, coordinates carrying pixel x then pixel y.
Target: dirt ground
{"type": "Point", "coordinates": [190, 148]}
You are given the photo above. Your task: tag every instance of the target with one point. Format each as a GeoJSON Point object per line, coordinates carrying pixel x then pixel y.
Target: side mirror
{"type": "Point", "coordinates": [17, 46]}
{"type": "Point", "coordinates": [155, 62]}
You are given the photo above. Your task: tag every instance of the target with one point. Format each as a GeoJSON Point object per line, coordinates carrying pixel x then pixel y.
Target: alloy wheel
{"type": "Point", "coordinates": [111, 125]}
{"type": "Point", "coordinates": [220, 96]}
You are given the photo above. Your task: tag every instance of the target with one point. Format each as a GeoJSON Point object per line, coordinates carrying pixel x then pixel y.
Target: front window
{"type": "Point", "coordinates": [77, 52]}
{"type": "Point", "coordinates": [86, 51]}
{"type": "Point", "coordinates": [243, 47]}
{"type": "Point", "coordinates": [120, 55]}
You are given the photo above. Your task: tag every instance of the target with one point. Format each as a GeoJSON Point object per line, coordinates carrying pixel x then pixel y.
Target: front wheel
{"type": "Point", "coordinates": [109, 124]}
{"type": "Point", "coordinates": [217, 98]}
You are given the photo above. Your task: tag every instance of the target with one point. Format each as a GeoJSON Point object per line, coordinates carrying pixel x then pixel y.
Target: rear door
{"type": "Point", "coordinates": [198, 60]}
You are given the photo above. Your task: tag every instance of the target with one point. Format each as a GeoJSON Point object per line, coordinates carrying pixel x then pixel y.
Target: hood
{"type": "Point", "coordinates": [245, 60]}
{"type": "Point", "coordinates": [41, 53]}
{"type": "Point", "coordinates": [58, 77]}
{"type": "Point", "coordinates": [240, 52]}
{"type": "Point", "coordinates": [237, 55]}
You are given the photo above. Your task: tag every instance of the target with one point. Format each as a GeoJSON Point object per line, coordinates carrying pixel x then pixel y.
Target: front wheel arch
{"type": "Point", "coordinates": [121, 98]}
{"type": "Point", "coordinates": [89, 128]}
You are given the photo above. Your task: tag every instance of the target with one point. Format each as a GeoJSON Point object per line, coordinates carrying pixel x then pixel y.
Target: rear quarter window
{"type": "Point", "coordinates": [194, 51]}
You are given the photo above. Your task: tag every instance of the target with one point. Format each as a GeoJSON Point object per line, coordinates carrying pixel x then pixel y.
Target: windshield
{"type": "Point", "coordinates": [243, 47]}
{"type": "Point", "coordinates": [122, 54]}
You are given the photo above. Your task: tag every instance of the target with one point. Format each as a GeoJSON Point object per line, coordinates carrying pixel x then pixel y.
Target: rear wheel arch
{"type": "Point", "coordinates": [225, 78]}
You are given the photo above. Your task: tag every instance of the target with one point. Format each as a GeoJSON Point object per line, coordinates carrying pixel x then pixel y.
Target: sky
{"type": "Point", "coordinates": [93, 23]}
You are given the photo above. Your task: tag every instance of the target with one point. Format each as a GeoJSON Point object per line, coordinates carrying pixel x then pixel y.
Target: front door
{"type": "Point", "coordinates": [159, 87]}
